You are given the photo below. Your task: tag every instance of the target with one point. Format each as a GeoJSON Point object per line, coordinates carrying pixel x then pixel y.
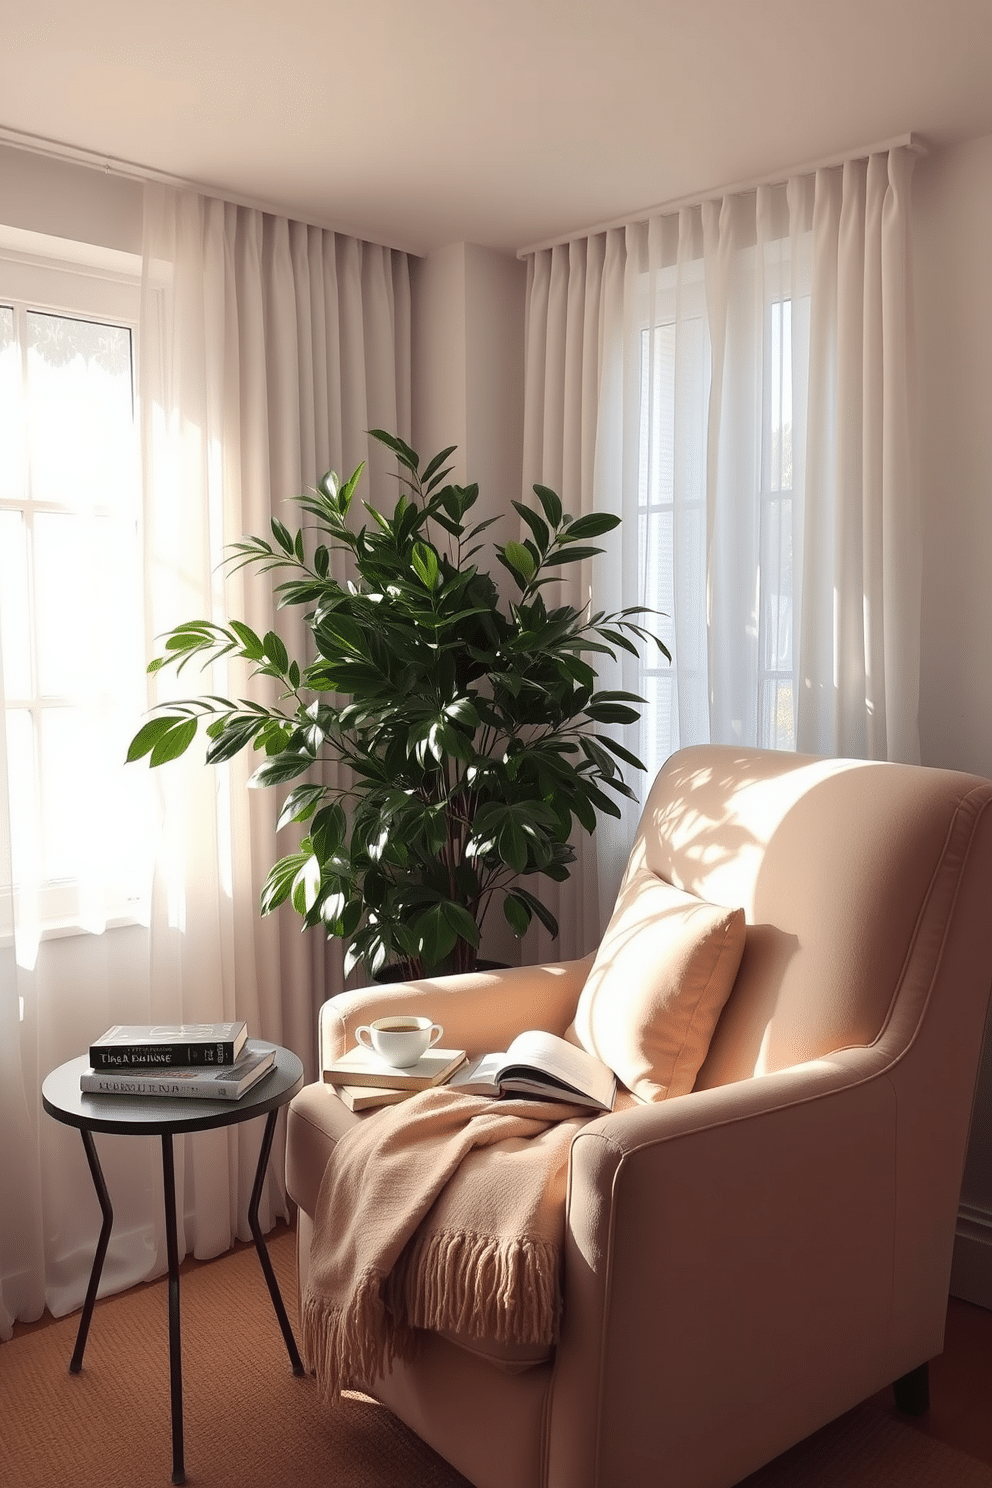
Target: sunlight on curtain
{"type": "Point", "coordinates": [266, 350]}
{"type": "Point", "coordinates": [736, 381]}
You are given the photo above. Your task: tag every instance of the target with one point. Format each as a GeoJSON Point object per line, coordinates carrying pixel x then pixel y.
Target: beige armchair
{"type": "Point", "coordinates": [747, 1261]}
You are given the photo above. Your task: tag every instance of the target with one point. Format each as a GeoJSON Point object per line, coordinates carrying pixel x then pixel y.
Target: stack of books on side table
{"type": "Point", "coordinates": [209, 1061]}
{"type": "Point", "coordinates": [363, 1079]}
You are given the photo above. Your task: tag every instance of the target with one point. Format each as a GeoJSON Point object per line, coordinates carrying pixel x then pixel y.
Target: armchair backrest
{"type": "Point", "coordinates": [852, 876]}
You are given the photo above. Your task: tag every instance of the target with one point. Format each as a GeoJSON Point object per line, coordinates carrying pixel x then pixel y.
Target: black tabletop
{"type": "Point", "coordinates": [133, 1115]}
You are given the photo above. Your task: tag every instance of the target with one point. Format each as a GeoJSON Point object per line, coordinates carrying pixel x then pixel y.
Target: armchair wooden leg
{"type": "Point", "coordinates": [912, 1391]}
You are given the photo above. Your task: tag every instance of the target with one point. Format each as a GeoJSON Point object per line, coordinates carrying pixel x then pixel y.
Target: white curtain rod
{"type": "Point", "coordinates": [913, 142]}
{"type": "Point", "coordinates": [129, 171]}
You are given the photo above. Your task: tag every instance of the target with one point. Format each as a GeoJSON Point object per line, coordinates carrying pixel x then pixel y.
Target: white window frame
{"type": "Point", "coordinates": [85, 282]}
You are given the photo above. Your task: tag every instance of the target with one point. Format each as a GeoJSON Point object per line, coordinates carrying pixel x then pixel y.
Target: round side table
{"type": "Point", "coordinates": [153, 1115]}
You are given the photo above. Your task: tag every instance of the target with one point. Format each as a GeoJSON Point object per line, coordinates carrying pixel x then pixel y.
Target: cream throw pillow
{"type": "Point", "coordinates": [658, 985]}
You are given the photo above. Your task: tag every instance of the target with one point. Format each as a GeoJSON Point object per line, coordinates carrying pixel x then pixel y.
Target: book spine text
{"type": "Point", "coordinates": [139, 1056]}
{"type": "Point", "coordinates": [107, 1085]}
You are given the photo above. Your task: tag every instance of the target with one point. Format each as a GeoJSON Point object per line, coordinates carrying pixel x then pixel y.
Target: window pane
{"type": "Point", "coordinates": [14, 607]}
{"type": "Point", "coordinates": [777, 714]}
{"type": "Point", "coordinates": [776, 583]}
{"type": "Point", "coordinates": [94, 812]}
{"type": "Point", "coordinates": [20, 765]}
{"type": "Point", "coordinates": [80, 417]}
{"type": "Point", "coordinates": [11, 471]}
{"type": "Point", "coordinates": [85, 580]}
{"type": "Point", "coordinates": [780, 421]}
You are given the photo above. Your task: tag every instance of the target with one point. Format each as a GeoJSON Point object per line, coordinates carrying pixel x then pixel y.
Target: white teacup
{"type": "Point", "coordinates": [401, 1039]}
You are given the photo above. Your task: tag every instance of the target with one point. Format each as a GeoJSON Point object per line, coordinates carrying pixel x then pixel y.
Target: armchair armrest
{"type": "Point", "coordinates": [729, 1257]}
{"type": "Point", "coordinates": [479, 1011]}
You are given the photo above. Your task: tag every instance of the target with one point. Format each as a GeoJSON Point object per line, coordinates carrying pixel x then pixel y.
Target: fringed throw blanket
{"type": "Point", "coordinates": [446, 1212]}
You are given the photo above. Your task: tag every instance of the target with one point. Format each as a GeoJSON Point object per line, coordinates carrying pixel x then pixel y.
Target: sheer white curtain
{"type": "Point", "coordinates": [736, 381]}
{"type": "Point", "coordinates": [267, 349]}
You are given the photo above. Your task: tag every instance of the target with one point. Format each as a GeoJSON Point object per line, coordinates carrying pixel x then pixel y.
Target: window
{"type": "Point", "coordinates": [672, 525]}
{"type": "Point", "coordinates": [71, 625]}
{"type": "Point", "coordinates": [776, 668]}
{"type": "Point", "coordinates": [672, 521]}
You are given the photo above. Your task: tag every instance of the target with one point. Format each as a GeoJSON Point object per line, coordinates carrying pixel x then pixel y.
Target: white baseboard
{"type": "Point", "coordinates": [971, 1268]}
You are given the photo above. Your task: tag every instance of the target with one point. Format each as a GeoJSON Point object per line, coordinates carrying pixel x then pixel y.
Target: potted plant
{"type": "Point", "coordinates": [468, 729]}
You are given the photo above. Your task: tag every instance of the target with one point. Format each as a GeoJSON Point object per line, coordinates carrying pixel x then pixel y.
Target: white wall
{"type": "Point", "coordinates": [440, 355]}
{"type": "Point", "coordinates": [468, 363]}
{"type": "Point", "coordinates": [953, 267]}
{"type": "Point", "coordinates": [70, 201]}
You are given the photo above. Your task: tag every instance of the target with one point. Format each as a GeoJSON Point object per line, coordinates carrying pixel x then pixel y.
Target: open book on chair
{"type": "Point", "coordinates": [541, 1064]}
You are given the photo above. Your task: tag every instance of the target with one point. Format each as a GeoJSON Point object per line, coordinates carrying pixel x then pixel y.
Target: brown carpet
{"type": "Point", "coordinates": [249, 1423]}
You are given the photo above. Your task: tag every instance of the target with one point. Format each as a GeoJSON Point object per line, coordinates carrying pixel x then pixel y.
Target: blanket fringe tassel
{"type": "Point", "coordinates": [349, 1347]}
{"type": "Point", "coordinates": [506, 1290]}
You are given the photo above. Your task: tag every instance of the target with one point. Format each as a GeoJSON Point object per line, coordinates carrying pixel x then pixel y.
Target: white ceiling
{"type": "Point", "coordinates": [501, 122]}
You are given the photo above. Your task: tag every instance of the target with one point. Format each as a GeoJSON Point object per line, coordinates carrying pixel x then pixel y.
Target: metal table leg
{"type": "Point", "coordinates": [263, 1254]}
{"type": "Point", "coordinates": [172, 1242]}
{"type": "Point", "coordinates": [96, 1172]}
{"type": "Point", "coordinates": [175, 1343]}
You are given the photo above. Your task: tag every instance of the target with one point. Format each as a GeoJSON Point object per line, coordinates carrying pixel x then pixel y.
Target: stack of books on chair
{"type": "Point", "coordinates": [362, 1079]}
{"type": "Point", "coordinates": [536, 1064]}
{"type": "Point", "coordinates": [209, 1061]}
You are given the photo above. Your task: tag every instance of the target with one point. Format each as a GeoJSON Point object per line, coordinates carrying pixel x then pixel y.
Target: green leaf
{"type": "Point", "coordinates": [611, 713]}
{"type": "Point", "coordinates": [149, 735]}
{"type": "Point", "coordinates": [276, 651]}
{"type": "Point", "coordinates": [436, 936]}
{"type": "Point", "coordinates": [459, 919]}
{"type": "Point", "coordinates": [174, 742]}
{"type": "Point", "coordinates": [281, 534]}
{"type": "Point", "coordinates": [595, 524]}
{"type": "Point", "coordinates": [551, 504]}
{"type": "Point", "coordinates": [620, 751]}
{"type": "Point", "coordinates": [306, 885]}
{"type": "Point", "coordinates": [520, 559]}
{"type": "Point", "coordinates": [598, 756]}
{"type": "Point", "coordinates": [399, 447]}
{"type": "Point", "coordinates": [464, 711]}
{"type": "Point", "coordinates": [328, 831]}
{"type": "Point", "coordinates": [280, 768]}
{"type": "Point", "coordinates": [544, 914]}
{"type": "Point", "coordinates": [517, 915]}
{"type": "Point", "coordinates": [250, 643]}
{"type": "Point", "coordinates": [279, 883]}
{"type": "Point", "coordinates": [230, 736]}
{"type": "Point", "coordinates": [424, 561]}
{"type": "Point", "coordinates": [512, 845]}
{"type": "Point", "coordinates": [300, 804]}
{"type": "Point", "coordinates": [347, 491]}
{"type": "Point", "coordinates": [434, 465]}
{"type": "Point", "coordinates": [540, 529]}
{"type": "Point", "coordinates": [569, 555]}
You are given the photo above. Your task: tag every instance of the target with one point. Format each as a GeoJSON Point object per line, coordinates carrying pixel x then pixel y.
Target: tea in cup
{"type": "Point", "coordinates": [401, 1039]}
